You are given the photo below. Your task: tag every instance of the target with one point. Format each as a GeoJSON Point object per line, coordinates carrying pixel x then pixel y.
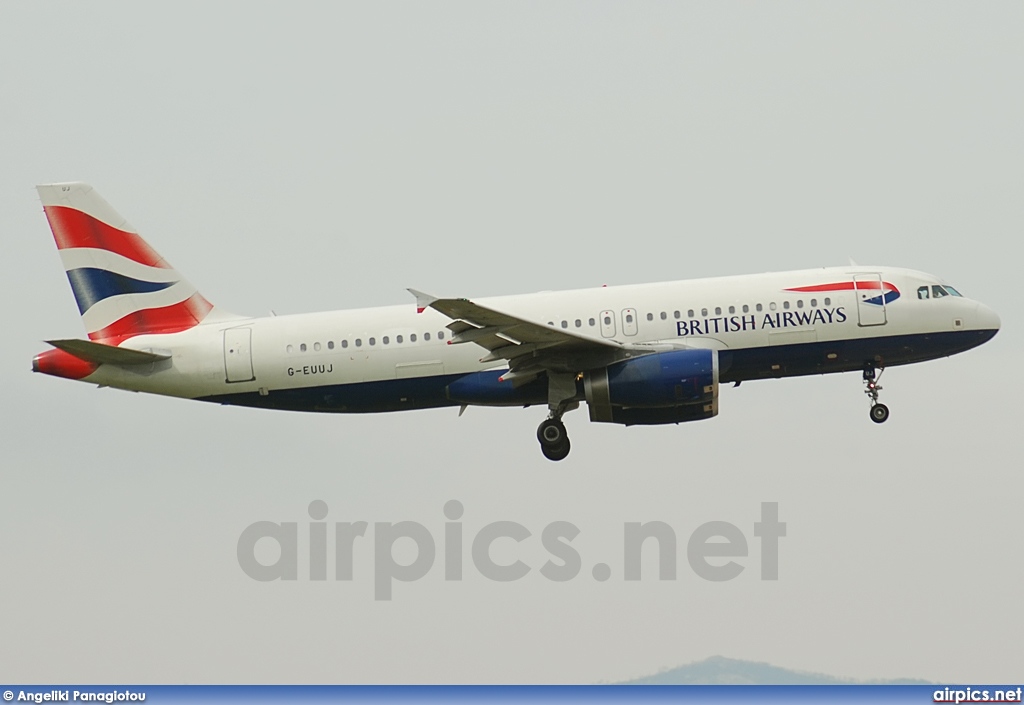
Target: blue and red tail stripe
{"type": "Point", "coordinates": [91, 285]}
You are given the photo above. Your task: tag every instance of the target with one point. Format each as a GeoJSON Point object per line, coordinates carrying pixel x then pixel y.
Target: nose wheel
{"type": "Point", "coordinates": [554, 442]}
{"type": "Point", "coordinates": [879, 411]}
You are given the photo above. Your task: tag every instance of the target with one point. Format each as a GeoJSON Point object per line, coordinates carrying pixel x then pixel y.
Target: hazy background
{"type": "Point", "coordinates": [306, 157]}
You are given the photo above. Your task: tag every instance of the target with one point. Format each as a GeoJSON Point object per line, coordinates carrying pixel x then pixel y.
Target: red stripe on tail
{"type": "Point", "coordinates": [73, 228]}
{"type": "Point", "coordinates": [169, 319]}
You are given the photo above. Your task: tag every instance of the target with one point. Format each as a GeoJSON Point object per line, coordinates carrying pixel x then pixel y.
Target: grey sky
{"type": "Point", "coordinates": [306, 157]}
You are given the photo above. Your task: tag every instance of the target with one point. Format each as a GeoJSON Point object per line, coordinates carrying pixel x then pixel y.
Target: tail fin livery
{"type": "Point", "coordinates": [122, 285]}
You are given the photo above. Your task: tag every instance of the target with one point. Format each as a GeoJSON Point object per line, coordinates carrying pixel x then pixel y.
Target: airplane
{"type": "Point", "coordinates": [639, 354]}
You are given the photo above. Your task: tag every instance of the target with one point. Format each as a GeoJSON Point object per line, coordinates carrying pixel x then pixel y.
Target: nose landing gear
{"type": "Point", "coordinates": [879, 411]}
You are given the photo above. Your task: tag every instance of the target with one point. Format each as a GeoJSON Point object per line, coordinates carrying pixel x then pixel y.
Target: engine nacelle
{"type": "Point", "coordinates": [669, 387]}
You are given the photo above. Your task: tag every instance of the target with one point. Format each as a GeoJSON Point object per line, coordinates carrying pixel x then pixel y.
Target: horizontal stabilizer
{"type": "Point", "coordinates": [106, 354]}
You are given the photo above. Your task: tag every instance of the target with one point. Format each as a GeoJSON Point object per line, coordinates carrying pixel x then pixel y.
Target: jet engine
{"type": "Point", "coordinates": [668, 387]}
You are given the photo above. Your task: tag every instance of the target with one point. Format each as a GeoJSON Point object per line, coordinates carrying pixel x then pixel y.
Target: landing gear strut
{"type": "Point", "coordinates": [879, 411]}
{"type": "Point", "coordinates": [554, 442]}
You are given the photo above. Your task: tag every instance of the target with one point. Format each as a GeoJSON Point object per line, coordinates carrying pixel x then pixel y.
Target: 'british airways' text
{"type": "Point", "coordinates": [779, 319]}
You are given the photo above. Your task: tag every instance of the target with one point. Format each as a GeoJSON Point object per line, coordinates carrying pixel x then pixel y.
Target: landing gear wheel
{"type": "Point", "coordinates": [879, 413]}
{"type": "Point", "coordinates": [554, 442]}
{"type": "Point", "coordinates": [556, 453]}
{"type": "Point", "coordinates": [551, 433]}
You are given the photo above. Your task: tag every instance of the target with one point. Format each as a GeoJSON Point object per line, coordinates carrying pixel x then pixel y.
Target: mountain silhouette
{"type": "Point", "coordinates": [718, 670]}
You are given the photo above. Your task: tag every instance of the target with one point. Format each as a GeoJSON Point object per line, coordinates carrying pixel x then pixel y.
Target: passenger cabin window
{"type": "Point", "coordinates": [316, 346]}
{"type": "Point", "coordinates": [398, 339]}
{"type": "Point", "coordinates": [760, 308]}
{"type": "Point", "coordinates": [359, 342]}
{"type": "Point", "coordinates": [412, 337]}
{"type": "Point", "coordinates": [677, 314]}
{"type": "Point", "coordinates": [385, 340]}
{"type": "Point", "coordinates": [718, 310]}
{"type": "Point", "coordinates": [426, 336]}
{"type": "Point", "coordinates": [373, 341]}
{"type": "Point", "coordinates": [344, 343]}
{"type": "Point", "coordinates": [440, 335]}
{"type": "Point", "coordinates": [579, 323]}
{"type": "Point", "coordinates": [592, 322]}
{"type": "Point", "coordinates": [302, 347]}
{"type": "Point", "coordinates": [732, 309]}
{"type": "Point", "coordinates": [330, 345]}
{"type": "Point", "coordinates": [689, 313]}
{"type": "Point", "coordinates": [650, 316]}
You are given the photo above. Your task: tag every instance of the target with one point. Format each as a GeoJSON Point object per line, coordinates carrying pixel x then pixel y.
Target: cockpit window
{"type": "Point", "coordinates": [936, 292]}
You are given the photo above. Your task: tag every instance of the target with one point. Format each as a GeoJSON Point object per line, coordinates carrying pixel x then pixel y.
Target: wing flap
{"type": "Point", "coordinates": [503, 328]}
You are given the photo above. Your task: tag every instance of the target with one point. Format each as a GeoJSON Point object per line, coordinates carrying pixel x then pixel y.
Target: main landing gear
{"type": "Point", "coordinates": [554, 442]}
{"type": "Point", "coordinates": [879, 411]}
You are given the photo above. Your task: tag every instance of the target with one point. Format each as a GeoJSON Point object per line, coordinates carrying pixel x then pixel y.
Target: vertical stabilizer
{"type": "Point", "coordinates": [123, 287]}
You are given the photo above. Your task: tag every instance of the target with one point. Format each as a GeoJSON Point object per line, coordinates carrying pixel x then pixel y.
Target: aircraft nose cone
{"type": "Point", "coordinates": [988, 319]}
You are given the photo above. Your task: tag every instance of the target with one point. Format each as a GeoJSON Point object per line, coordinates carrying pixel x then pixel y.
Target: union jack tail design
{"type": "Point", "coordinates": [122, 286]}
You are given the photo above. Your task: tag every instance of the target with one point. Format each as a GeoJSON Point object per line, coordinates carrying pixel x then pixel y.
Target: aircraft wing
{"type": "Point", "coordinates": [529, 347]}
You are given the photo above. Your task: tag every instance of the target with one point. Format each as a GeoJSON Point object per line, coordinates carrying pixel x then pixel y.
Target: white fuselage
{"type": "Point", "coordinates": [751, 319]}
